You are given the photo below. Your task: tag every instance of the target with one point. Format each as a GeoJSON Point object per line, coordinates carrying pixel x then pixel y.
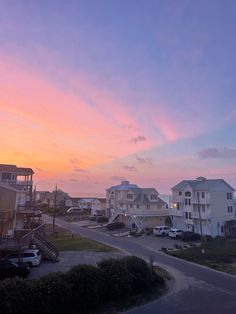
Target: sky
{"type": "Point", "coordinates": [96, 92]}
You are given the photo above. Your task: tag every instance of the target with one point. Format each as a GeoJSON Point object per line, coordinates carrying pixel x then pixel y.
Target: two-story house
{"type": "Point", "coordinates": [16, 198]}
{"type": "Point", "coordinates": [135, 206]}
{"type": "Point", "coordinates": [203, 205]}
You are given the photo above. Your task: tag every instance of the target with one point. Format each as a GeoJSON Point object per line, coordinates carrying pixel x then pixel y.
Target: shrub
{"type": "Point", "coordinates": [53, 289]}
{"type": "Point", "coordinates": [127, 276]}
{"type": "Point", "coordinates": [117, 278]}
{"type": "Point", "coordinates": [87, 287]}
{"type": "Point", "coordinates": [15, 296]}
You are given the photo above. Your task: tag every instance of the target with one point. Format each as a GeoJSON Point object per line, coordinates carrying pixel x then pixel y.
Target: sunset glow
{"type": "Point", "coordinates": [90, 96]}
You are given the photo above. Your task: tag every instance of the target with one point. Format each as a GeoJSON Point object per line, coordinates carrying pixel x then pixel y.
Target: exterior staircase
{"type": "Point", "coordinates": [137, 221]}
{"type": "Point", "coordinates": [48, 249]}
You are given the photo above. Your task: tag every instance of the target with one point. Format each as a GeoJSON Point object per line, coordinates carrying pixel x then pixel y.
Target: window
{"type": "Point", "coordinates": [180, 193]}
{"type": "Point", "coordinates": [230, 209]}
{"type": "Point", "coordinates": [6, 176]}
{"type": "Point", "coordinates": [188, 194]}
{"type": "Point", "coordinates": [203, 194]}
{"type": "Point", "coordinates": [188, 215]}
{"type": "Point", "coordinates": [148, 206]}
{"type": "Point", "coordinates": [177, 206]}
{"type": "Point", "coordinates": [153, 197]}
{"type": "Point", "coordinates": [121, 204]}
{"type": "Point", "coordinates": [229, 196]}
{"type": "Point", "coordinates": [129, 196]}
{"type": "Point", "coordinates": [137, 206]}
{"type": "Point", "coordinates": [222, 229]}
{"type": "Point", "coordinates": [187, 201]}
{"type": "Point", "coordinates": [130, 206]}
{"type": "Point", "coordinates": [203, 208]}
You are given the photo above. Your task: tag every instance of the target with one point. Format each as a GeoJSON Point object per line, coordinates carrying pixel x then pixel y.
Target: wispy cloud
{"type": "Point", "coordinates": [224, 153]}
{"type": "Point", "coordinates": [130, 168]}
{"type": "Point", "coordinates": [117, 178]}
{"type": "Point", "coordinates": [74, 161]}
{"type": "Point", "coordinates": [81, 170]}
{"type": "Point", "coordinates": [130, 127]}
{"type": "Point", "coordinates": [138, 139]}
{"type": "Point", "coordinates": [143, 160]}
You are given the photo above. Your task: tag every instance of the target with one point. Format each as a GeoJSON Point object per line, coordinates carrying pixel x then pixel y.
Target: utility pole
{"type": "Point", "coordinates": [199, 213]}
{"type": "Point", "coordinates": [54, 211]}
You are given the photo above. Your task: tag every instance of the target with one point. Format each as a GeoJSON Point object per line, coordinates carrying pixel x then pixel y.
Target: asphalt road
{"type": "Point", "coordinates": [197, 289]}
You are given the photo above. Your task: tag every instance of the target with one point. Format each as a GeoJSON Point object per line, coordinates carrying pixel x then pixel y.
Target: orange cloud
{"type": "Point", "coordinates": [51, 125]}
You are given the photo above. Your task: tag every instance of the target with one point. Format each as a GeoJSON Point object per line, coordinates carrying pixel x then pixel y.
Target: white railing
{"type": "Point", "coordinates": [204, 215]}
{"type": "Point", "coordinates": [148, 212]}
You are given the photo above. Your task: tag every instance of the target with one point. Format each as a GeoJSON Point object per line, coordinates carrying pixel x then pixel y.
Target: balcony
{"type": "Point", "coordinates": [175, 212]}
{"type": "Point", "coordinates": [204, 215]}
{"type": "Point", "coordinates": [144, 213]}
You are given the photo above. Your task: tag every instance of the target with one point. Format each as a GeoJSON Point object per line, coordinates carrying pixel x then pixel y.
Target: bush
{"type": "Point", "coordinates": [15, 296]}
{"type": "Point", "coordinates": [87, 287]}
{"type": "Point", "coordinates": [127, 276]}
{"type": "Point", "coordinates": [117, 278]}
{"type": "Point", "coordinates": [84, 288]}
{"type": "Point", "coordinates": [53, 289]}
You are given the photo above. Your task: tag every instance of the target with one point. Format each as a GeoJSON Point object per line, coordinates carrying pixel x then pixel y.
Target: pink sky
{"type": "Point", "coordinates": [88, 99]}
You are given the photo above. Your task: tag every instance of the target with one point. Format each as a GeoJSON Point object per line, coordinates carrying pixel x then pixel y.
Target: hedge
{"type": "Point", "coordinates": [82, 289]}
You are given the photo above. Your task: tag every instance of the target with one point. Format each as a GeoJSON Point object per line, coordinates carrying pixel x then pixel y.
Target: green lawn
{"type": "Point", "coordinates": [64, 240]}
{"type": "Point", "coordinates": [219, 254]}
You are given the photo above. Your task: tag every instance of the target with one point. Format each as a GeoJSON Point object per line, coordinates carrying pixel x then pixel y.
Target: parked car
{"type": "Point", "coordinates": [190, 236]}
{"type": "Point", "coordinates": [115, 225]}
{"type": "Point", "coordinates": [101, 219]}
{"type": "Point", "coordinates": [175, 233]}
{"type": "Point", "coordinates": [73, 209]}
{"type": "Point", "coordinates": [161, 231]}
{"type": "Point", "coordinates": [30, 256]}
{"type": "Point", "coordinates": [11, 269]}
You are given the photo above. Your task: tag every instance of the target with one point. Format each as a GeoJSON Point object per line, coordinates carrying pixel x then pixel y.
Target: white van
{"type": "Point", "coordinates": [73, 209]}
{"type": "Point", "coordinates": [161, 231]}
{"type": "Point", "coordinates": [29, 256]}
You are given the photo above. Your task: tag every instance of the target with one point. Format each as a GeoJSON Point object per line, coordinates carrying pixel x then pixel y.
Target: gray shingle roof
{"type": "Point", "coordinates": [204, 185]}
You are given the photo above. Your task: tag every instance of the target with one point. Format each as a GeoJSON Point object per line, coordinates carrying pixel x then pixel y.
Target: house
{"type": "Point", "coordinates": [17, 177]}
{"type": "Point", "coordinates": [203, 205]}
{"type": "Point", "coordinates": [135, 206]}
{"type": "Point", "coordinates": [12, 201]}
{"type": "Point", "coordinates": [42, 197]}
{"type": "Point", "coordinates": [16, 199]}
{"type": "Point", "coordinates": [97, 206]}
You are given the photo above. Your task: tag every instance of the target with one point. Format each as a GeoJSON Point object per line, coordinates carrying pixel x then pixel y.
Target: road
{"type": "Point", "coordinates": [197, 289]}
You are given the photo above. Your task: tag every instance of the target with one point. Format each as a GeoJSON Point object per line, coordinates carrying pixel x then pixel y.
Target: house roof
{"type": "Point", "coordinates": [15, 169]}
{"type": "Point", "coordinates": [125, 185]}
{"type": "Point", "coordinates": [203, 184]}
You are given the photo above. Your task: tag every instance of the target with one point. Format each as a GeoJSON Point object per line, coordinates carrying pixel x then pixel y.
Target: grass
{"type": "Point", "coordinates": [64, 240]}
{"type": "Point", "coordinates": [219, 254]}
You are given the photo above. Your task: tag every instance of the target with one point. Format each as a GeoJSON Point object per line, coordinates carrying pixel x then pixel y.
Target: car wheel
{"type": "Point", "coordinates": [30, 264]}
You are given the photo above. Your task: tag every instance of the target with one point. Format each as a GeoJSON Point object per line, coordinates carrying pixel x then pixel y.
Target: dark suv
{"type": "Point", "coordinates": [190, 236]}
{"type": "Point", "coordinates": [115, 225]}
{"type": "Point", "coordinates": [11, 269]}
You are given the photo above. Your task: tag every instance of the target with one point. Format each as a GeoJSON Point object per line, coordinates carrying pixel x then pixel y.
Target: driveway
{"type": "Point", "coordinates": [68, 259]}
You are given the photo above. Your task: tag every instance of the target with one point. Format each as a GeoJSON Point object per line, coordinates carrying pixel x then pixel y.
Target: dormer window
{"type": "Point", "coordinates": [153, 197]}
{"type": "Point", "coordinates": [130, 196]}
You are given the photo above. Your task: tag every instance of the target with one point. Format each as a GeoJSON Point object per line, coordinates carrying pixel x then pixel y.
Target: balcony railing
{"type": "Point", "coordinates": [147, 212]}
{"type": "Point", "coordinates": [204, 215]}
